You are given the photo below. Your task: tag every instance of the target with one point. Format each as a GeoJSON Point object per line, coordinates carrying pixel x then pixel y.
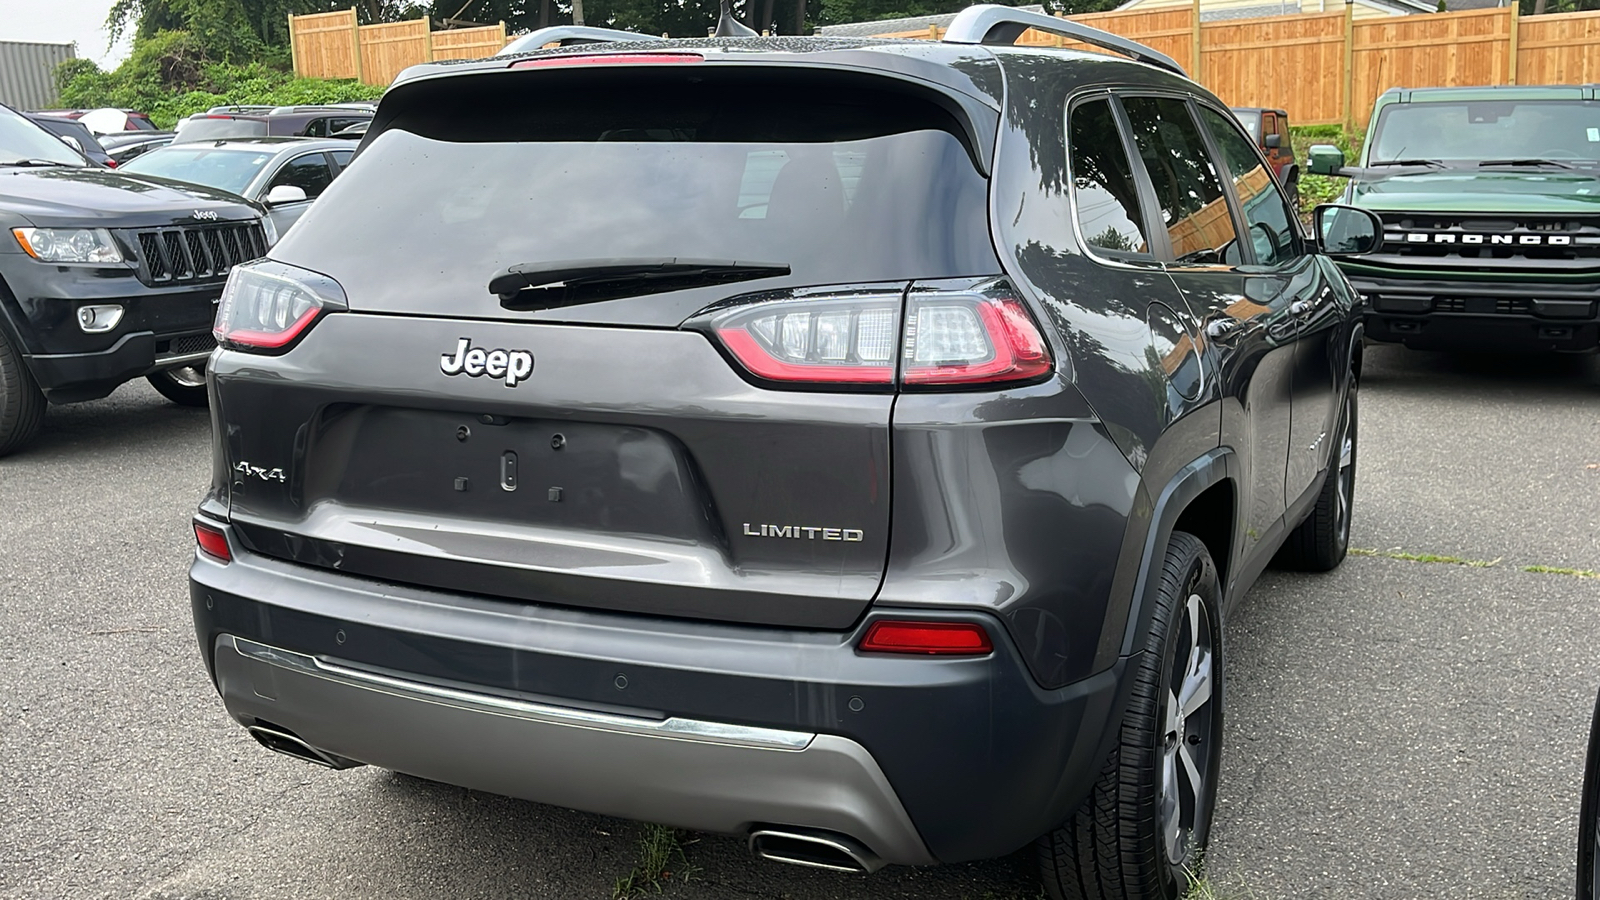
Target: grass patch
{"type": "Point", "coordinates": [661, 861]}
{"type": "Point", "coordinates": [1424, 557]}
{"type": "Point", "coordinates": [1555, 570]}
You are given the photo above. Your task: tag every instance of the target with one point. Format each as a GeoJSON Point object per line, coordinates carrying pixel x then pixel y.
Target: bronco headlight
{"type": "Point", "coordinates": [88, 246]}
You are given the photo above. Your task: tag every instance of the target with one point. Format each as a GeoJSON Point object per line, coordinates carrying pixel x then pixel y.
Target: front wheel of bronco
{"type": "Point", "coordinates": [184, 386]}
{"type": "Point", "coordinates": [1320, 543]}
{"type": "Point", "coordinates": [1141, 833]}
{"type": "Point", "coordinates": [21, 402]}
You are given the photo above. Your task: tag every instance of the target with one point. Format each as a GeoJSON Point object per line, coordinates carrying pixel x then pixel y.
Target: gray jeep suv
{"type": "Point", "coordinates": [855, 445]}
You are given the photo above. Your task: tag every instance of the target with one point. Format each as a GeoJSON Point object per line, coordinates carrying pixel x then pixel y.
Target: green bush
{"type": "Point", "coordinates": [171, 75]}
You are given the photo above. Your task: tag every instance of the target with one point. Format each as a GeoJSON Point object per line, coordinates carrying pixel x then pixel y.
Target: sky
{"type": "Point", "coordinates": [60, 21]}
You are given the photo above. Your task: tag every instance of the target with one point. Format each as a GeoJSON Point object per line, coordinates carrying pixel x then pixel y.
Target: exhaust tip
{"type": "Point", "coordinates": [814, 848]}
{"type": "Point", "coordinates": [282, 740]}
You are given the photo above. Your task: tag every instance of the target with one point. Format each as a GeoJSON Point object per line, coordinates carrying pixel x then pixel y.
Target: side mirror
{"type": "Point", "coordinates": [72, 142]}
{"type": "Point", "coordinates": [1347, 230]}
{"type": "Point", "coordinates": [1272, 141]}
{"type": "Point", "coordinates": [284, 193]}
{"type": "Point", "coordinates": [1325, 159]}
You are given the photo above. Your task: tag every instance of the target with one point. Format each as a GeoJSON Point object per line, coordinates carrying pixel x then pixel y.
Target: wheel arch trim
{"type": "Point", "coordinates": [1213, 468]}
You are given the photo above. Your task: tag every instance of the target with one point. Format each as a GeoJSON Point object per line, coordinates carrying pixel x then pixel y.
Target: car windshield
{"type": "Point", "coordinates": [1470, 131]}
{"type": "Point", "coordinates": [21, 139]}
{"type": "Point", "coordinates": [223, 168]}
{"type": "Point", "coordinates": [1251, 122]}
{"type": "Point", "coordinates": [204, 129]}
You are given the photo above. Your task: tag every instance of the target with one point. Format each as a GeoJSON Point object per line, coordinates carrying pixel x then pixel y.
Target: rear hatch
{"type": "Point", "coordinates": [592, 432]}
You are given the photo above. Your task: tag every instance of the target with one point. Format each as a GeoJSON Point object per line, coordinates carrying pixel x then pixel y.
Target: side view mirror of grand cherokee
{"type": "Point", "coordinates": [1325, 159]}
{"type": "Point", "coordinates": [1347, 230]}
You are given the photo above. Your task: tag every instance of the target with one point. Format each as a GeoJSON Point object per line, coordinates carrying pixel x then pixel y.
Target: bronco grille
{"type": "Point", "coordinates": [1489, 239]}
{"type": "Point", "coordinates": [188, 254]}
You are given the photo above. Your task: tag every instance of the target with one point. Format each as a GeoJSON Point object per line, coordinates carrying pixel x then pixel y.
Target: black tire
{"type": "Point", "coordinates": [1142, 832]}
{"type": "Point", "coordinates": [1292, 188]}
{"type": "Point", "coordinates": [184, 386]}
{"type": "Point", "coordinates": [1320, 543]}
{"type": "Point", "coordinates": [21, 402]}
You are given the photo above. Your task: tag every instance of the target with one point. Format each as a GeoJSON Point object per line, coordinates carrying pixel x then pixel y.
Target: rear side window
{"type": "Point", "coordinates": [1103, 188]}
{"type": "Point", "coordinates": [1266, 213]}
{"type": "Point", "coordinates": [843, 183]}
{"type": "Point", "coordinates": [1188, 189]}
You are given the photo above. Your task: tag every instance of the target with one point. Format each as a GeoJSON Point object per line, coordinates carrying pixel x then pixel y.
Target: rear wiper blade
{"type": "Point", "coordinates": [1434, 163]}
{"type": "Point", "coordinates": [530, 286]}
{"type": "Point", "coordinates": [1526, 161]}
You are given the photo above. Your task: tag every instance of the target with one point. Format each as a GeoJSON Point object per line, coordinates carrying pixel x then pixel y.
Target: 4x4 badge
{"type": "Point", "coordinates": [512, 365]}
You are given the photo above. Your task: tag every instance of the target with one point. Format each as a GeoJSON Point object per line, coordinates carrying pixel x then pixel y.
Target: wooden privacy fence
{"type": "Point", "coordinates": [1326, 68]}
{"type": "Point", "coordinates": [336, 45]}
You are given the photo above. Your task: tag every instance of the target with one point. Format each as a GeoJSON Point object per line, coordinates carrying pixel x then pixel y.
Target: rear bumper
{"type": "Point", "coordinates": [920, 759]}
{"type": "Point", "coordinates": [1480, 316]}
{"type": "Point", "coordinates": [703, 775]}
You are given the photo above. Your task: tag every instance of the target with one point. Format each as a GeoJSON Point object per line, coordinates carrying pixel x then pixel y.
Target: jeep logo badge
{"type": "Point", "coordinates": [512, 365]}
{"type": "Point", "coordinates": [205, 215]}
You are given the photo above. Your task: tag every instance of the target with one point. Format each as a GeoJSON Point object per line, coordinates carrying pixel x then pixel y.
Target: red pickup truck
{"type": "Point", "coordinates": [1270, 128]}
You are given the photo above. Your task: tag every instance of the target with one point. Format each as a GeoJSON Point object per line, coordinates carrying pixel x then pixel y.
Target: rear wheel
{"type": "Point", "coordinates": [184, 386]}
{"type": "Point", "coordinates": [1144, 828]}
{"type": "Point", "coordinates": [21, 402]}
{"type": "Point", "coordinates": [1319, 544]}
{"type": "Point", "coordinates": [1292, 188]}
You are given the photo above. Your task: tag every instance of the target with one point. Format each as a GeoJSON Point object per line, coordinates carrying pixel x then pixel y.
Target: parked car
{"type": "Point", "coordinates": [104, 278]}
{"type": "Point", "coordinates": [1491, 235]}
{"type": "Point", "coordinates": [106, 120]}
{"type": "Point", "coordinates": [130, 145]}
{"type": "Point", "coordinates": [1270, 130]}
{"type": "Point", "coordinates": [284, 175]}
{"type": "Point", "coordinates": [851, 444]}
{"type": "Point", "coordinates": [283, 121]}
{"type": "Point", "coordinates": [77, 137]}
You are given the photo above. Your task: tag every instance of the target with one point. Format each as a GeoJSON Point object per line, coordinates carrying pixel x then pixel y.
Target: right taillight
{"type": "Point", "coordinates": [266, 306]}
{"type": "Point", "coordinates": [944, 339]}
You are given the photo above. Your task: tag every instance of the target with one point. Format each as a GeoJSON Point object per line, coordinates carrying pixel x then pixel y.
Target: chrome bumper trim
{"type": "Point", "coordinates": [187, 359]}
{"type": "Point", "coordinates": [671, 728]}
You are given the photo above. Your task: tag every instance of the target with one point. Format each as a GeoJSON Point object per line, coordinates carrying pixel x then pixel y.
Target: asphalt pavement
{"type": "Point", "coordinates": [1394, 729]}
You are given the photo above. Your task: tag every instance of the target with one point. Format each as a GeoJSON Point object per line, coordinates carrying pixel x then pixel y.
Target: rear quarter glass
{"type": "Point", "coordinates": [869, 185]}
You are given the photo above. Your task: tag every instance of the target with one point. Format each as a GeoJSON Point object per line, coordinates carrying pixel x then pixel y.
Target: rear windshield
{"type": "Point", "coordinates": [841, 186]}
{"type": "Point", "coordinates": [219, 129]}
{"type": "Point", "coordinates": [228, 170]}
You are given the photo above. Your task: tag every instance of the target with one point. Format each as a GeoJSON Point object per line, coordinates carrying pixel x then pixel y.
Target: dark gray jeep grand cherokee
{"type": "Point", "coordinates": [855, 445]}
{"type": "Point", "coordinates": [104, 277]}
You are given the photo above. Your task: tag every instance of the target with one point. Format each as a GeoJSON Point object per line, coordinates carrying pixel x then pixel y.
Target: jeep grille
{"type": "Point", "coordinates": [189, 254]}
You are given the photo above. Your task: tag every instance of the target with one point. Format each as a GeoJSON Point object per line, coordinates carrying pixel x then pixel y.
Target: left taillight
{"type": "Point", "coordinates": [212, 541]}
{"type": "Point", "coordinates": [267, 306]}
{"type": "Point", "coordinates": [945, 339]}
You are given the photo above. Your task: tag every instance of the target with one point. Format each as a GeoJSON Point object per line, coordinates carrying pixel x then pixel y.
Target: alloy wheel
{"type": "Point", "coordinates": [1188, 739]}
{"type": "Point", "coordinates": [188, 376]}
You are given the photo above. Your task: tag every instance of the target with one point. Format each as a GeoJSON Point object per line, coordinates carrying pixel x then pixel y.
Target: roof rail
{"type": "Point", "coordinates": [569, 34]}
{"type": "Point", "coordinates": [991, 24]}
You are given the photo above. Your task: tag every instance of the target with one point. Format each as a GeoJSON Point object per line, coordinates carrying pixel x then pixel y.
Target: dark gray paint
{"type": "Point", "coordinates": [1041, 510]}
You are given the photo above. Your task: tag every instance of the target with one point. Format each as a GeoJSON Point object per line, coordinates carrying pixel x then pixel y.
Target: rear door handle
{"type": "Point", "coordinates": [1301, 307]}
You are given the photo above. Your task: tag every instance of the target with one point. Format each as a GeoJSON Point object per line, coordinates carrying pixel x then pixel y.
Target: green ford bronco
{"type": "Point", "coordinates": [1490, 201]}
